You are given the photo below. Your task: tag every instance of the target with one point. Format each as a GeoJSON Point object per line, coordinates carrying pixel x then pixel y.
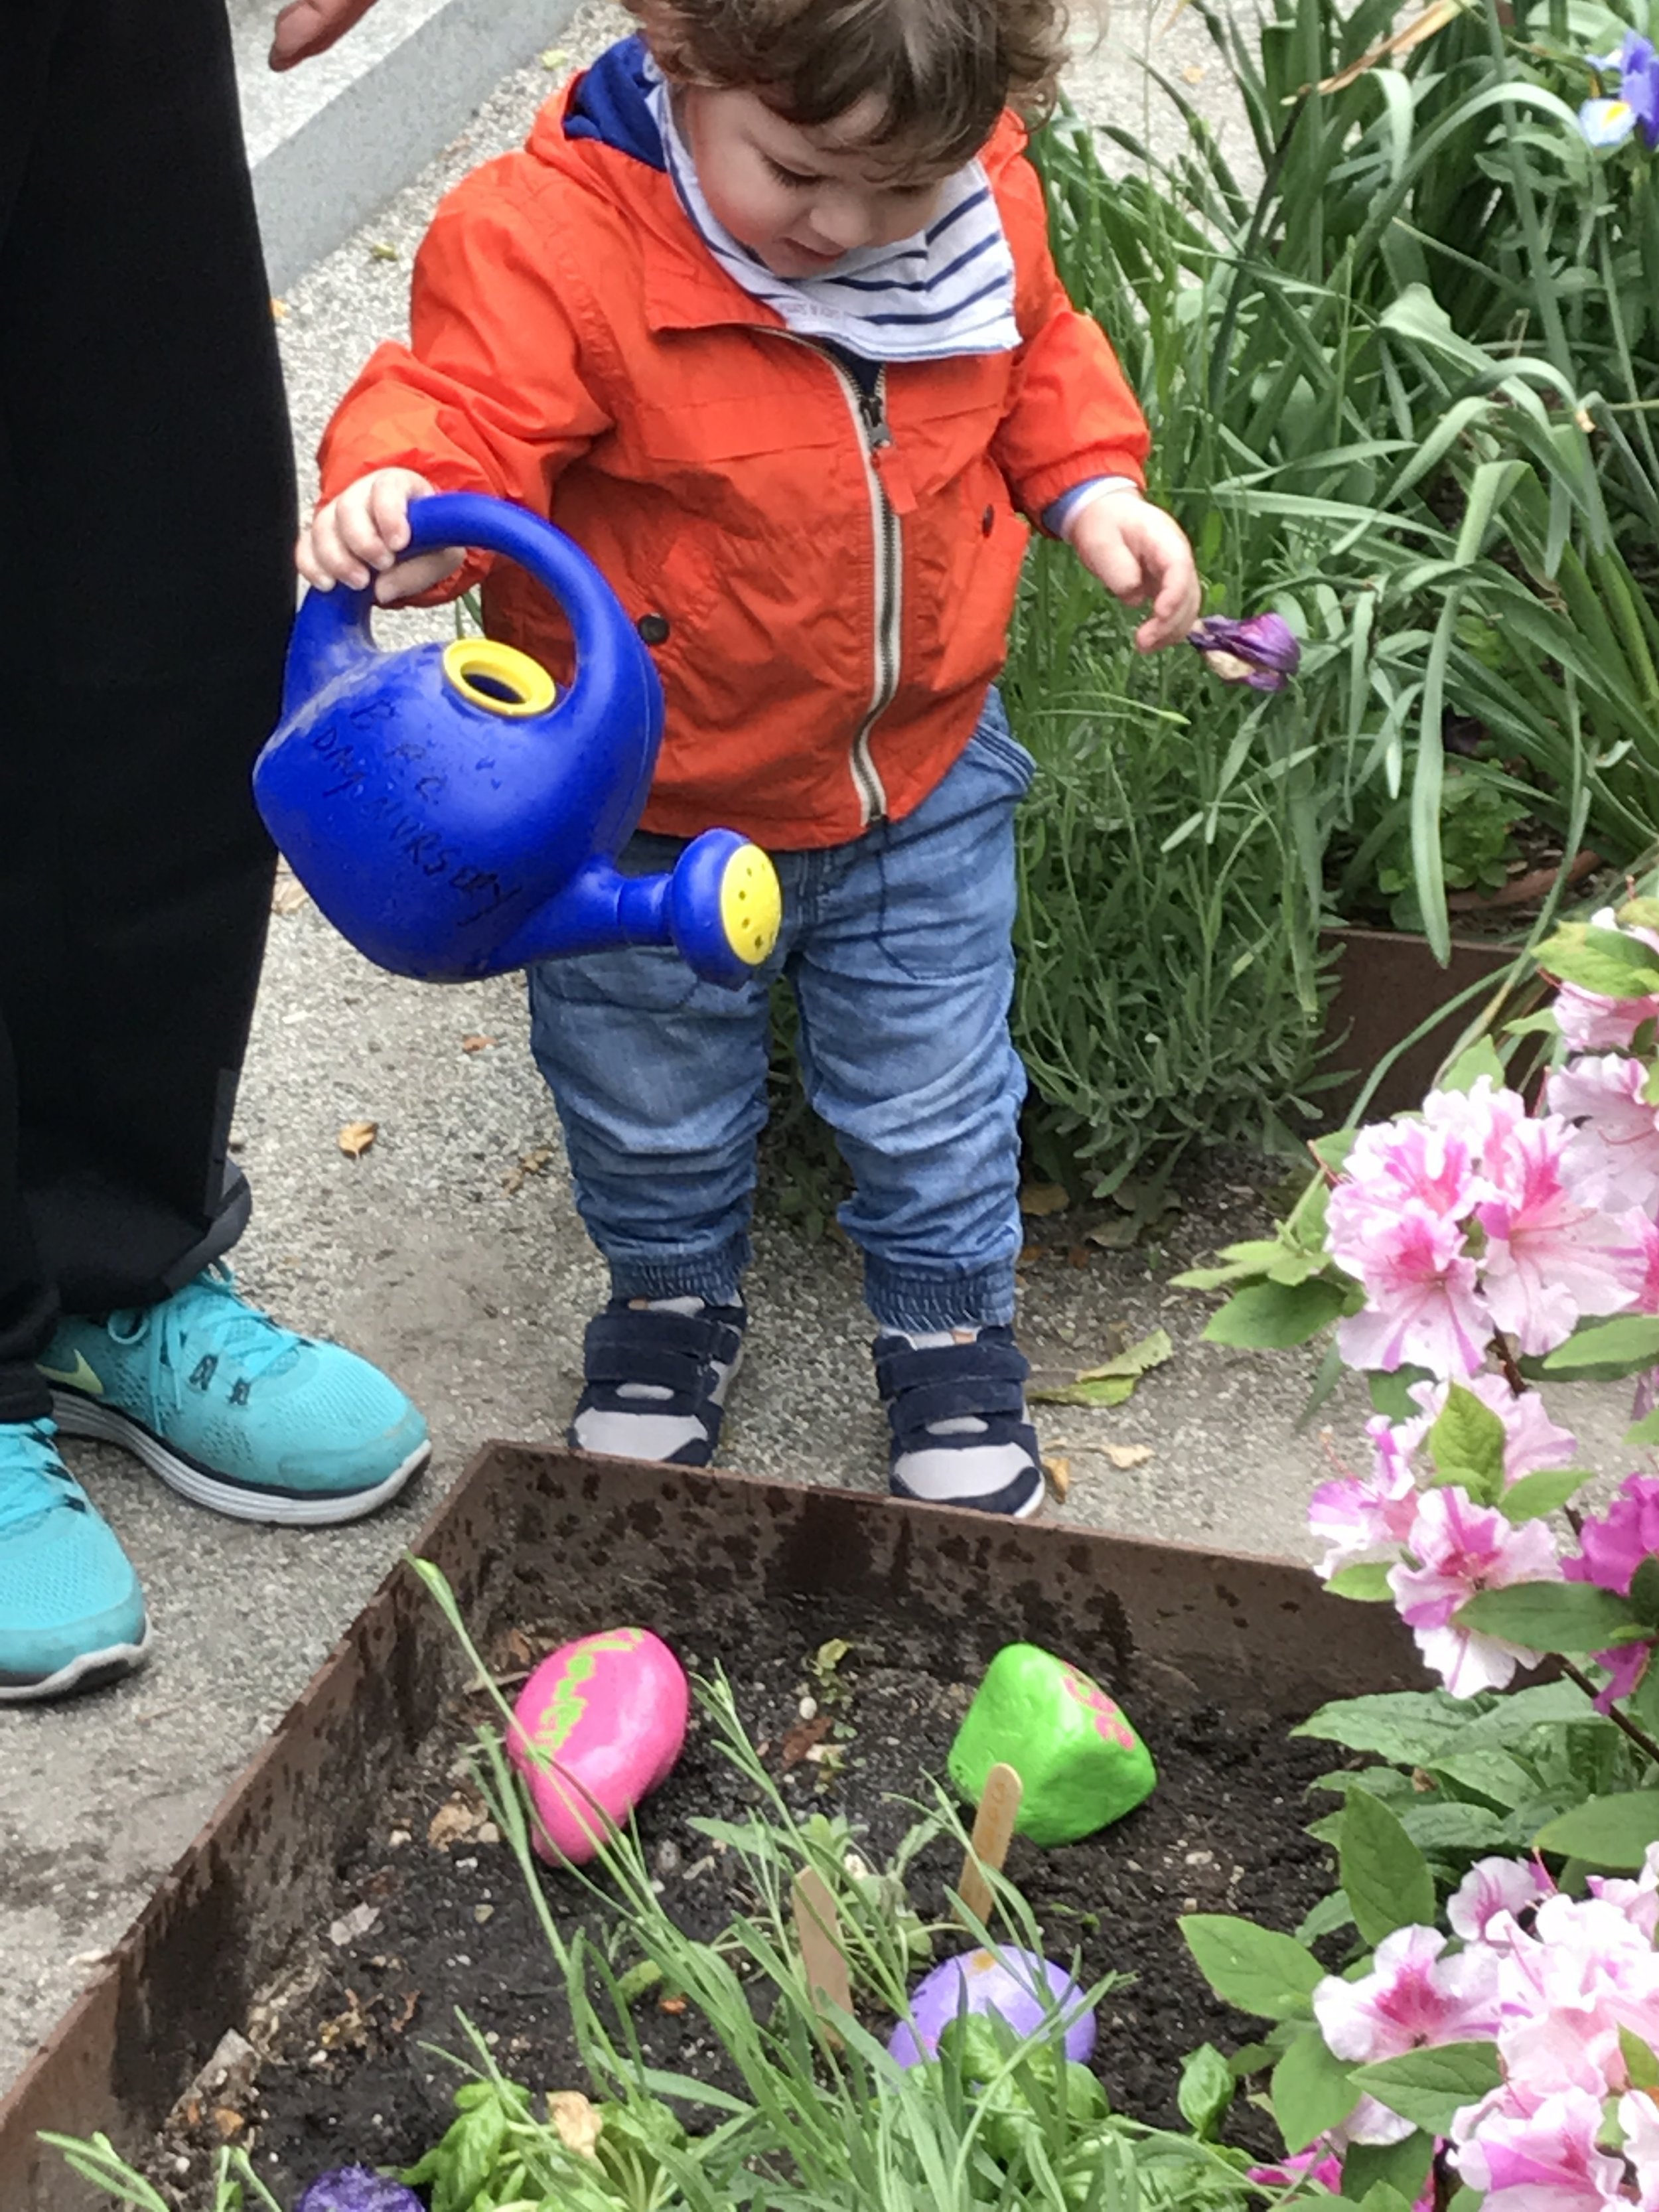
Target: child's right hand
{"type": "Point", "coordinates": [360, 535]}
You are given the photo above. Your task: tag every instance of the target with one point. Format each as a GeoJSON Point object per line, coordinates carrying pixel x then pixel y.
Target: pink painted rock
{"type": "Point", "coordinates": [598, 1725]}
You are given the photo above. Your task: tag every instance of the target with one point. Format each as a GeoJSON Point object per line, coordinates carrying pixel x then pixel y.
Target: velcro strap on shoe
{"type": "Point", "coordinates": [671, 1351]}
{"type": "Point", "coordinates": [962, 1368]}
{"type": "Point", "coordinates": [912, 1410]}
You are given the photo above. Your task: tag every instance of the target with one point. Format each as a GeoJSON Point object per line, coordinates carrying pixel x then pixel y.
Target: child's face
{"type": "Point", "coordinates": [802, 197]}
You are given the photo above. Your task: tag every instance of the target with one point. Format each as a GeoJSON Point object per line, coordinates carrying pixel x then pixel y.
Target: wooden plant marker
{"type": "Point", "coordinates": [993, 1829]}
{"type": "Point", "coordinates": [817, 1926]}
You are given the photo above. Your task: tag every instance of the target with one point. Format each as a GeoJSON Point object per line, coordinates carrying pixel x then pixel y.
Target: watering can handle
{"type": "Point", "coordinates": [331, 631]}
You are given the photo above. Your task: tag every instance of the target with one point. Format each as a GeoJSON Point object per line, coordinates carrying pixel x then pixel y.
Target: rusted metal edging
{"type": "Point", "coordinates": [533, 1533]}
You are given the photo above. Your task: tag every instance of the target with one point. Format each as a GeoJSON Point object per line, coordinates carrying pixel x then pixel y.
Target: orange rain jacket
{"type": "Point", "coordinates": [826, 609]}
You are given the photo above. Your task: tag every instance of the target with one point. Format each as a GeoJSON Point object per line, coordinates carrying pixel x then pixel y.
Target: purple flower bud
{"type": "Point", "coordinates": [357, 2189]}
{"type": "Point", "coordinates": [1261, 652]}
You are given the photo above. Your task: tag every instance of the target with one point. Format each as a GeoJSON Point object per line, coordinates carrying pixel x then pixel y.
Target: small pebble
{"type": "Point", "coordinates": [493, 2036]}
{"type": "Point", "coordinates": [808, 1709]}
{"type": "Point", "coordinates": [668, 1856]}
{"type": "Point", "coordinates": [469, 1864]}
{"type": "Point", "coordinates": [482, 1913]}
{"type": "Point", "coordinates": [489, 1833]}
{"type": "Point", "coordinates": [397, 1838]}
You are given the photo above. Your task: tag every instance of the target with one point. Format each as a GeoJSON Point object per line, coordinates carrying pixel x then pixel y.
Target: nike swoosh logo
{"type": "Point", "coordinates": [78, 1378]}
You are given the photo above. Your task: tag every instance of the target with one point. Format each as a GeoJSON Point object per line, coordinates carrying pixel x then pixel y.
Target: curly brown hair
{"type": "Point", "coordinates": [942, 69]}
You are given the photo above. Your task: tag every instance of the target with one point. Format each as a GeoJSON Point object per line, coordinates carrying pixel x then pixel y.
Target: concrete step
{"type": "Point", "coordinates": [331, 140]}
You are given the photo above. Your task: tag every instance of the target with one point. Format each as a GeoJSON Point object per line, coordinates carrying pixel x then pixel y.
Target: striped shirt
{"type": "Point", "coordinates": [947, 290]}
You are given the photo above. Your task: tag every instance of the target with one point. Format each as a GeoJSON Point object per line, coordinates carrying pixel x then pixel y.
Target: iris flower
{"type": "Point", "coordinates": [1610, 122]}
{"type": "Point", "coordinates": [1262, 652]}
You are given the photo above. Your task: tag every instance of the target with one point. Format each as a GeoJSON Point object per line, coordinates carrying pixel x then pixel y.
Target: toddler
{"type": "Point", "coordinates": [763, 315]}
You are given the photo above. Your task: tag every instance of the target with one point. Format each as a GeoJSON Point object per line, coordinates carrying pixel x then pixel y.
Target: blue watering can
{"type": "Point", "coordinates": [454, 816]}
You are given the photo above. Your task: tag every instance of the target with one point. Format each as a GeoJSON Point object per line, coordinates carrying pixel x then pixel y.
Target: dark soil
{"type": "Point", "coordinates": [348, 2070]}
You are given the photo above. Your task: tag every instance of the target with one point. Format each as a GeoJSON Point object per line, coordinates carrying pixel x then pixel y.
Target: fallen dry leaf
{"type": "Point", "coordinates": [576, 2124]}
{"type": "Point", "coordinates": [1119, 1236]}
{"type": "Point", "coordinates": [279, 311]}
{"type": "Point", "coordinates": [671, 2004]}
{"type": "Point", "coordinates": [287, 893]}
{"type": "Point", "coordinates": [350, 1925]}
{"type": "Point", "coordinates": [229, 2123]}
{"type": "Point", "coordinates": [554, 58]}
{"type": "Point", "coordinates": [477, 1043]}
{"type": "Point", "coordinates": [381, 252]}
{"type": "Point", "coordinates": [347, 2030]}
{"type": "Point", "coordinates": [357, 1137]}
{"type": "Point", "coordinates": [1039, 1198]}
{"type": "Point", "coordinates": [453, 1818]}
{"type": "Point", "coordinates": [530, 1163]}
{"type": "Point", "coordinates": [1028, 1256]}
{"type": "Point", "coordinates": [1057, 1473]}
{"type": "Point", "coordinates": [1194, 73]}
{"type": "Point", "coordinates": [799, 1741]}
{"type": "Point", "coordinates": [1127, 1455]}
{"type": "Point", "coordinates": [1078, 1255]}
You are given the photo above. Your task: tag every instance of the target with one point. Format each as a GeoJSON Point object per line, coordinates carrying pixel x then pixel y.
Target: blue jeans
{"type": "Point", "coordinates": [897, 947]}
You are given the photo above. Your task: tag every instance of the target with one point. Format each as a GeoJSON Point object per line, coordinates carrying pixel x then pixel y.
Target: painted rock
{"type": "Point", "coordinates": [598, 1726]}
{"type": "Point", "coordinates": [1080, 1764]}
{"type": "Point", "coordinates": [357, 2189]}
{"type": "Point", "coordinates": [1004, 1981]}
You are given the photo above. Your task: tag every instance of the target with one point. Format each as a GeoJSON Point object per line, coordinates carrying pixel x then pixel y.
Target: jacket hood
{"type": "Point", "coordinates": [608, 105]}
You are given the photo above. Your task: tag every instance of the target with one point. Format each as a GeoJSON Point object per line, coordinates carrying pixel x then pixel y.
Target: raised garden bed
{"type": "Point", "coordinates": [1212, 1654]}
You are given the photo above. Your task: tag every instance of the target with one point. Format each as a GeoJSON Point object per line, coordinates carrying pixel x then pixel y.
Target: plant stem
{"type": "Point", "coordinates": [1623, 1721]}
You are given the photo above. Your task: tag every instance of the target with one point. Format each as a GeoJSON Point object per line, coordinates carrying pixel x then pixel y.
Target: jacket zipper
{"type": "Point", "coordinates": [869, 411]}
{"type": "Point", "coordinates": [870, 414]}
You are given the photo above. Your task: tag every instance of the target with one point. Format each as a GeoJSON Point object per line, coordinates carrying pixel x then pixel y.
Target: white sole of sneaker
{"type": "Point", "coordinates": [90, 1671]}
{"type": "Point", "coordinates": [78, 1417]}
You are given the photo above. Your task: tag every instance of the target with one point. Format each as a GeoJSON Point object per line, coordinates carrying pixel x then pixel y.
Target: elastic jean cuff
{"type": "Point", "coordinates": [715, 1276]}
{"type": "Point", "coordinates": [899, 1297]}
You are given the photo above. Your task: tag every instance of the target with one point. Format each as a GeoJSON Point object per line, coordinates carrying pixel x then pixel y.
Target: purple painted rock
{"type": "Point", "coordinates": [598, 1726]}
{"type": "Point", "coordinates": [357, 2189]}
{"type": "Point", "coordinates": [1004, 1981]}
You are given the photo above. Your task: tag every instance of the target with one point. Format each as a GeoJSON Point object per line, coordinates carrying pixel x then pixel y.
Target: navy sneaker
{"type": "Point", "coordinates": [71, 1611]}
{"type": "Point", "coordinates": [657, 1371]}
{"type": "Point", "coordinates": [961, 1433]}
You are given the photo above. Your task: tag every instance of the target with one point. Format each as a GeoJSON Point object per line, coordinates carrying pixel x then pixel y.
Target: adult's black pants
{"type": "Point", "coordinates": [146, 515]}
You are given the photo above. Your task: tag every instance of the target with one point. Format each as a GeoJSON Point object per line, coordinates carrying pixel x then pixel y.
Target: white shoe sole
{"type": "Point", "coordinates": [90, 1670]}
{"type": "Point", "coordinates": [82, 1417]}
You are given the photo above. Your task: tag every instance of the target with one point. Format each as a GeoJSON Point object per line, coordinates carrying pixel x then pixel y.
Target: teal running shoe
{"type": "Point", "coordinates": [71, 1611]}
{"type": "Point", "coordinates": [233, 1412]}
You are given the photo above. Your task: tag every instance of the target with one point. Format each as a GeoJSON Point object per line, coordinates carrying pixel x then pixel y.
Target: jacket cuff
{"type": "Point", "coordinates": [1058, 517]}
{"type": "Point", "coordinates": [1035, 493]}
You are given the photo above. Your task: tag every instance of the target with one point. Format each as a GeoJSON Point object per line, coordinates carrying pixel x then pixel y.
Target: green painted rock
{"type": "Point", "coordinates": [1080, 1764]}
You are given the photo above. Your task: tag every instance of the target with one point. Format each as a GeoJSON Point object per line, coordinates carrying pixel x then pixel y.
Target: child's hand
{"type": "Point", "coordinates": [360, 535]}
{"type": "Point", "coordinates": [1140, 553]}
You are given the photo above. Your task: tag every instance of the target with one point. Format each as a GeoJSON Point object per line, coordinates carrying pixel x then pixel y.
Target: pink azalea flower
{"type": "Point", "coordinates": [1459, 1548]}
{"type": "Point", "coordinates": [1485, 1119]}
{"type": "Point", "coordinates": [1322, 2167]}
{"type": "Point", "coordinates": [1639, 2119]}
{"type": "Point", "coordinates": [1412, 1999]}
{"type": "Point", "coordinates": [1395, 1161]}
{"type": "Point", "coordinates": [1591, 1022]}
{"type": "Point", "coordinates": [1638, 1900]}
{"type": "Point", "coordinates": [1482, 1908]}
{"type": "Point", "coordinates": [1542, 2161]}
{"type": "Point", "coordinates": [1613, 1545]}
{"type": "Point", "coordinates": [1552, 1255]}
{"type": "Point", "coordinates": [1604, 1097]}
{"type": "Point", "coordinates": [1360, 1517]}
{"type": "Point", "coordinates": [1422, 1308]}
{"type": "Point", "coordinates": [1586, 1970]}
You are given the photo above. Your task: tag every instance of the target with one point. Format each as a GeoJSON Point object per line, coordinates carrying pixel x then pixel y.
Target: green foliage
{"type": "Point", "coordinates": [1606, 1831]}
{"type": "Point", "coordinates": [1255, 1968]}
{"type": "Point", "coordinates": [1428, 2087]}
{"type": "Point", "coordinates": [1384, 1876]}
